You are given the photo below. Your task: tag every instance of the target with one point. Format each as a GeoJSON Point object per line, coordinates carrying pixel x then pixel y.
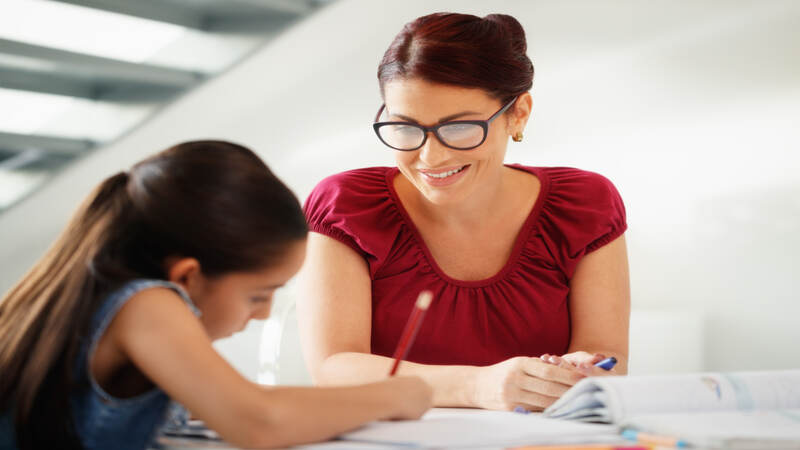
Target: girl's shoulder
{"type": "Point", "coordinates": [118, 297]}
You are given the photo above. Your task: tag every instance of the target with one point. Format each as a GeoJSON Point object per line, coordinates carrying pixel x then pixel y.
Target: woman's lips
{"type": "Point", "coordinates": [445, 176]}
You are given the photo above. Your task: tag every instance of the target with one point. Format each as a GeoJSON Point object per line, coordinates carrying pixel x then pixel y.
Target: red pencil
{"type": "Point", "coordinates": [410, 331]}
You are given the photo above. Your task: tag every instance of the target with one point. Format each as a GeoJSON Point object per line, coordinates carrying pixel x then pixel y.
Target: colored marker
{"type": "Point", "coordinates": [652, 439]}
{"type": "Point", "coordinates": [607, 363]}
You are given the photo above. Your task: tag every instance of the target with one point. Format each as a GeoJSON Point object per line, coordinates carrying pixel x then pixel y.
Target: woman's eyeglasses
{"type": "Point", "coordinates": [458, 134]}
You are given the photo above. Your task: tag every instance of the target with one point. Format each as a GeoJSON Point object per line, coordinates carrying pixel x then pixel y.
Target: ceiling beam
{"type": "Point", "coordinates": [48, 83]}
{"type": "Point", "coordinates": [158, 10]}
{"type": "Point", "coordinates": [18, 143]}
{"type": "Point", "coordinates": [91, 67]}
{"type": "Point", "coordinates": [98, 88]}
{"type": "Point", "coordinates": [206, 15]}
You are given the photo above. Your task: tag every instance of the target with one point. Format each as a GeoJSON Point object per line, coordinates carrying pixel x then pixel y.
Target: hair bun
{"type": "Point", "coordinates": [488, 53]}
{"type": "Point", "coordinates": [511, 29]}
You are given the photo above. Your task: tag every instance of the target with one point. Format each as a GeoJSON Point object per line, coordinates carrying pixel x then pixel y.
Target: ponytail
{"type": "Point", "coordinates": [38, 317]}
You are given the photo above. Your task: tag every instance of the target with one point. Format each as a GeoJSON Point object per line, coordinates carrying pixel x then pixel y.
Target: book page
{"type": "Point", "coordinates": [631, 396]}
{"type": "Point", "coordinates": [706, 392]}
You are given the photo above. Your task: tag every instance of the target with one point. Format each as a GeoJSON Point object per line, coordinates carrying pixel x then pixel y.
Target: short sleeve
{"type": "Point", "coordinates": [355, 208]}
{"type": "Point", "coordinates": [583, 211]}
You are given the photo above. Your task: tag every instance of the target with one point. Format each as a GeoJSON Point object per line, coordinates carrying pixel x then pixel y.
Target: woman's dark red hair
{"type": "Point", "coordinates": [461, 50]}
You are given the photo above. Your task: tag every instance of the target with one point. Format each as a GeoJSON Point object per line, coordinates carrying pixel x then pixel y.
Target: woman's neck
{"type": "Point", "coordinates": [492, 201]}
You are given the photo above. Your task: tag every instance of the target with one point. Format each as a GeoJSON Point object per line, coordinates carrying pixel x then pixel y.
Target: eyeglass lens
{"type": "Point", "coordinates": [407, 137]}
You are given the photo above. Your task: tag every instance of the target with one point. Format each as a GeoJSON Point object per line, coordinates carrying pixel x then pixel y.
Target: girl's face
{"type": "Point", "coordinates": [427, 104]}
{"type": "Point", "coordinates": [228, 302]}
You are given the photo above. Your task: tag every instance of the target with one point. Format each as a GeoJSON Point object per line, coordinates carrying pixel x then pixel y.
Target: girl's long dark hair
{"type": "Point", "coordinates": [211, 200]}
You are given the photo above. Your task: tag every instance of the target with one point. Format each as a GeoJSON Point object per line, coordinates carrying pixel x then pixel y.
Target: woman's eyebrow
{"type": "Point", "coordinates": [443, 119]}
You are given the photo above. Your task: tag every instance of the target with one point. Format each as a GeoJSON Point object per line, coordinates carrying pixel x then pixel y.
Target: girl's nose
{"type": "Point", "coordinates": [262, 312]}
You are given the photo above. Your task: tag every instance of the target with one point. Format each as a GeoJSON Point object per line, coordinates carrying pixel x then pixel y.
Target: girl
{"type": "Point", "coordinates": [119, 316]}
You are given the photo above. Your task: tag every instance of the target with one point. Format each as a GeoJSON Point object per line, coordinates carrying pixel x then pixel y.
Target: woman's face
{"type": "Point", "coordinates": [441, 174]}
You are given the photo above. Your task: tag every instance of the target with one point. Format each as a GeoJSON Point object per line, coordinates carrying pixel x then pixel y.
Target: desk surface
{"type": "Point", "coordinates": [451, 421]}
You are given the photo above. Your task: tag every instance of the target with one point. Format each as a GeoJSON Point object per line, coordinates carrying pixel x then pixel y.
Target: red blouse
{"type": "Point", "coordinates": [520, 311]}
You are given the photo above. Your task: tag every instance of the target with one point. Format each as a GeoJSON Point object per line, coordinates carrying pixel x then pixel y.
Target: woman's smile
{"type": "Point", "coordinates": [444, 176]}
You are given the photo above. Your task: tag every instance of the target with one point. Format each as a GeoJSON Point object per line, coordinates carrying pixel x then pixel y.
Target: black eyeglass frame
{"type": "Point", "coordinates": [435, 129]}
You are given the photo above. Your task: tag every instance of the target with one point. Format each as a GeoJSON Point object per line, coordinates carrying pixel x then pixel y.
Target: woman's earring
{"type": "Point", "coordinates": [517, 137]}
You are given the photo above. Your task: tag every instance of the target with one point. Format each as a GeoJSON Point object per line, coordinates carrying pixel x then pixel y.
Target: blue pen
{"type": "Point", "coordinates": [607, 363]}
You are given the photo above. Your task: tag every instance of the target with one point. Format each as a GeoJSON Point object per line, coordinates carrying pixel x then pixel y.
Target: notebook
{"type": "Point", "coordinates": [728, 410]}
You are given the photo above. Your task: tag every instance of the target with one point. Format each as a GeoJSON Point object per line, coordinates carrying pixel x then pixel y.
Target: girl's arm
{"type": "Point", "coordinates": [599, 305]}
{"type": "Point", "coordinates": [334, 314]}
{"type": "Point", "coordinates": [159, 334]}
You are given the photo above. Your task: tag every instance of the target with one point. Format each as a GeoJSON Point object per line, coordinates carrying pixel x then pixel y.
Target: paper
{"type": "Point", "coordinates": [464, 428]}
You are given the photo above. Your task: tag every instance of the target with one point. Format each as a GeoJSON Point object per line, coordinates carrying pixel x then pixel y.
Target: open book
{"type": "Point", "coordinates": [738, 409]}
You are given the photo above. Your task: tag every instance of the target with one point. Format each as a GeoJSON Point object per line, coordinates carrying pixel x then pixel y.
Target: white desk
{"type": "Point", "coordinates": [456, 428]}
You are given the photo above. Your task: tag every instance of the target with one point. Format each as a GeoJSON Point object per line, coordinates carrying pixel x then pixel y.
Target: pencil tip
{"type": "Point", "coordinates": [424, 299]}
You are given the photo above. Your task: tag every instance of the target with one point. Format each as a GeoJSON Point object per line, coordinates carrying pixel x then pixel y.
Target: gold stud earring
{"type": "Point", "coordinates": [517, 137]}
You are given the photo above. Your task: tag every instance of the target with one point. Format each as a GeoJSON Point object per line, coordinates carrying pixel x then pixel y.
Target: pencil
{"type": "Point", "coordinates": [410, 331]}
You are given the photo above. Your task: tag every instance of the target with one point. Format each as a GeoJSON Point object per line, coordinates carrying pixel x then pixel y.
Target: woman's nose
{"type": "Point", "coordinates": [433, 153]}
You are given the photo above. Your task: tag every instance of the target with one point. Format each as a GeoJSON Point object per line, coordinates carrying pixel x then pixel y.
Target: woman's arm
{"type": "Point", "coordinates": [599, 305]}
{"type": "Point", "coordinates": [335, 315]}
{"type": "Point", "coordinates": [163, 339]}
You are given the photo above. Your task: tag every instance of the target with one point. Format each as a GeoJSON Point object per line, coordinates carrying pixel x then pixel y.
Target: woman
{"type": "Point", "coordinates": [525, 263]}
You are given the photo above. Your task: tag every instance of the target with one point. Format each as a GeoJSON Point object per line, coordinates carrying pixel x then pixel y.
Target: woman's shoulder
{"type": "Point", "coordinates": [568, 189]}
{"type": "Point", "coordinates": [569, 178]}
{"type": "Point", "coordinates": [364, 180]}
{"type": "Point", "coordinates": [578, 179]}
{"type": "Point", "coordinates": [356, 207]}
{"type": "Point", "coordinates": [352, 192]}
{"type": "Point", "coordinates": [581, 211]}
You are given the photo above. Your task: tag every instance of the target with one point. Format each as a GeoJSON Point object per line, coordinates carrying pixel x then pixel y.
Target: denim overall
{"type": "Point", "coordinates": [101, 420]}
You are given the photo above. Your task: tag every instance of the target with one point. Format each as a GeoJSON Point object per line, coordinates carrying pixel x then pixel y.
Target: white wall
{"type": "Point", "coordinates": [690, 107]}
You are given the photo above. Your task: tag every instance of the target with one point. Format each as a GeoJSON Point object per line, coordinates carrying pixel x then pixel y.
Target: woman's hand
{"type": "Point", "coordinates": [583, 362]}
{"type": "Point", "coordinates": [409, 397]}
{"type": "Point", "coordinates": [524, 382]}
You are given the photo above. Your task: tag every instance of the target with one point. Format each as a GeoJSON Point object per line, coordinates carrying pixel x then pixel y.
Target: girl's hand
{"type": "Point", "coordinates": [529, 383]}
{"type": "Point", "coordinates": [409, 397]}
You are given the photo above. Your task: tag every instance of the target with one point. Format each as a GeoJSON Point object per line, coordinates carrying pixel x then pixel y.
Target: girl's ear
{"type": "Point", "coordinates": [520, 113]}
{"type": "Point", "coordinates": [185, 272]}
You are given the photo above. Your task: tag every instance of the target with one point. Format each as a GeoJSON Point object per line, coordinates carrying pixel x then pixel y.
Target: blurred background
{"type": "Point", "coordinates": [690, 107]}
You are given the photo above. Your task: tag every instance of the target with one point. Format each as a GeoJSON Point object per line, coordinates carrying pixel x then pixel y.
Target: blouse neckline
{"type": "Point", "coordinates": [519, 243]}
